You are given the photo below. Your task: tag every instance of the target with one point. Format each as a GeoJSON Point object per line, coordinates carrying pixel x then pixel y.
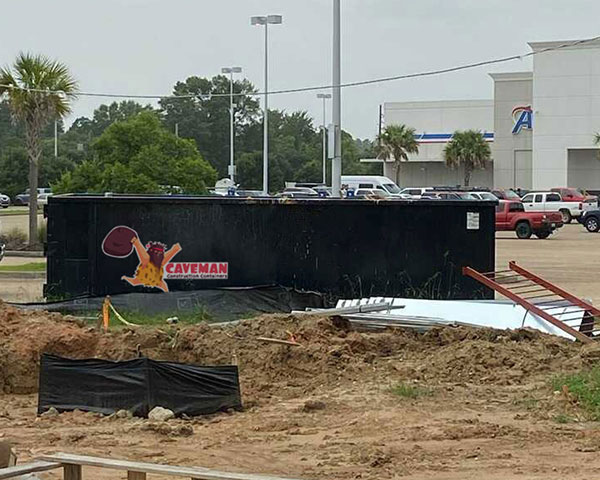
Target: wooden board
{"type": "Point", "coordinates": [32, 467]}
{"type": "Point", "coordinates": [199, 473]}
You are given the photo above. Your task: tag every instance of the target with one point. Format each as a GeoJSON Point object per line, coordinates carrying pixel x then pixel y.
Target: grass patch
{"type": "Point", "coordinates": [140, 318]}
{"type": "Point", "coordinates": [562, 418]}
{"type": "Point", "coordinates": [582, 389]}
{"type": "Point", "coordinates": [406, 390]}
{"type": "Point", "coordinates": [25, 267]}
{"type": "Point", "coordinates": [10, 211]}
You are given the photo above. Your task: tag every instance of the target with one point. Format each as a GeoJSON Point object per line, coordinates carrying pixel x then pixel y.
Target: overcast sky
{"type": "Point", "coordinates": [145, 46]}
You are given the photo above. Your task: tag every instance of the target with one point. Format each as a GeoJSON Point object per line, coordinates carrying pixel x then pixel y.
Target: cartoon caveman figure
{"type": "Point", "coordinates": [122, 240]}
{"type": "Point", "coordinates": [153, 259]}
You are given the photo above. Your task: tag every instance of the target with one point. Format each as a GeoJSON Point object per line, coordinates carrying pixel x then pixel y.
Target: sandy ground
{"type": "Point", "coordinates": [496, 419]}
{"type": "Point", "coordinates": [570, 258]}
{"type": "Point", "coordinates": [490, 412]}
{"type": "Point", "coordinates": [21, 290]}
{"type": "Point", "coordinates": [464, 432]}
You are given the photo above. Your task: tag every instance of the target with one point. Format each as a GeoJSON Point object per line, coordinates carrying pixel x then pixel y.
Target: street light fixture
{"type": "Point", "coordinates": [324, 97]}
{"type": "Point", "coordinates": [265, 21]}
{"type": "Point", "coordinates": [231, 71]}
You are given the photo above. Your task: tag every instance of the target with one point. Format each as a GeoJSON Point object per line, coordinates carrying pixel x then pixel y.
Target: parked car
{"type": "Point", "coordinates": [484, 196]}
{"type": "Point", "coordinates": [552, 202]}
{"type": "Point", "coordinates": [452, 196]}
{"type": "Point", "coordinates": [299, 192]}
{"type": "Point", "coordinates": [507, 194]}
{"type": "Point", "coordinates": [574, 195]}
{"type": "Point", "coordinates": [511, 216]}
{"type": "Point", "coordinates": [467, 196]}
{"type": "Point", "coordinates": [357, 182]}
{"type": "Point", "coordinates": [43, 198]}
{"type": "Point", "coordinates": [249, 193]}
{"type": "Point", "coordinates": [4, 201]}
{"type": "Point", "coordinates": [591, 220]}
{"type": "Point", "coordinates": [372, 194]}
{"type": "Point", "coordinates": [415, 192]}
{"type": "Point", "coordinates": [430, 195]}
{"type": "Point", "coordinates": [23, 198]}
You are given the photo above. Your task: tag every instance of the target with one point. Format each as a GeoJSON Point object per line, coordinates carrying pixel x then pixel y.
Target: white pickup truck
{"type": "Point", "coordinates": [552, 202]}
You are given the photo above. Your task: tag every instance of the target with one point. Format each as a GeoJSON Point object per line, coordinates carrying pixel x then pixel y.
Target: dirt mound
{"type": "Point", "coordinates": [330, 353]}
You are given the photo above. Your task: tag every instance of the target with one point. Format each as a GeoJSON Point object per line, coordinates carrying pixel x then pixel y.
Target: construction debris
{"type": "Point", "coordinates": [277, 340]}
{"type": "Point", "coordinates": [423, 315]}
{"type": "Point", "coordinates": [374, 307]}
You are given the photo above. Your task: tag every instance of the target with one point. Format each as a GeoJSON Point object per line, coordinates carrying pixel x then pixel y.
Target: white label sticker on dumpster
{"type": "Point", "coordinates": [472, 221]}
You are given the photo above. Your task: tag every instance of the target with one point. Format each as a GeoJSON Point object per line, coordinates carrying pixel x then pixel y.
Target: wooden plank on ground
{"type": "Point", "coordinates": [32, 467]}
{"type": "Point", "coordinates": [199, 473]}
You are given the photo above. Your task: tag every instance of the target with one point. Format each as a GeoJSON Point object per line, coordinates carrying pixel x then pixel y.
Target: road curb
{"type": "Point", "coordinates": [24, 253]}
{"type": "Point", "coordinates": [22, 275]}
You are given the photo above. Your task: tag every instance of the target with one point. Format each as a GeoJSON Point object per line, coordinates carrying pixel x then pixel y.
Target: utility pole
{"type": "Point", "coordinates": [336, 164]}
{"type": "Point", "coordinates": [231, 71]}
{"type": "Point", "coordinates": [324, 97]}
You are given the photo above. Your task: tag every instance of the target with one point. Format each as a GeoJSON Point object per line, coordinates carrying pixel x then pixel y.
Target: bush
{"type": "Point", "coordinates": [14, 239]}
{"type": "Point", "coordinates": [42, 232]}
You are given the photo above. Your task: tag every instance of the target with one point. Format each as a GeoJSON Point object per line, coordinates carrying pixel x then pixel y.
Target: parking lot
{"type": "Point", "coordinates": [570, 258]}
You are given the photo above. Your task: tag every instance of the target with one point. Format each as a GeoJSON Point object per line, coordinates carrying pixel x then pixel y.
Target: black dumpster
{"type": "Point", "coordinates": [100, 245]}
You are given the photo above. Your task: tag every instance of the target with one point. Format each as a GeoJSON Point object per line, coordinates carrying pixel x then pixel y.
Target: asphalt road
{"type": "Point", "coordinates": [570, 258]}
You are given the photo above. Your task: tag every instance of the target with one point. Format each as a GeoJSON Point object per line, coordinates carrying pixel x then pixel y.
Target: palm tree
{"type": "Point", "coordinates": [39, 90]}
{"type": "Point", "coordinates": [468, 149]}
{"type": "Point", "coordinates": [396, 142]}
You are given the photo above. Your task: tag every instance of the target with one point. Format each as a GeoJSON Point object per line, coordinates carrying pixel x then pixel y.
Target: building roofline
{"type": "Point", "coordinates": [535, 46]}
{"type": "Point", "coordinates": [484, 102]}
{"type": "Point", "coordinates": [511, 76]}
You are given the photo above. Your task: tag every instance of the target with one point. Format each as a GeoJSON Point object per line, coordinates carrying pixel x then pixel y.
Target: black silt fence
{"type": "Point", "coordinates": [136, 385]}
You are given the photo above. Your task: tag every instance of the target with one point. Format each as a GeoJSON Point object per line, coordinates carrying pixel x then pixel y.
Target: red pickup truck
{"type": "Point", "coordinates": [574, 195]}
{"type": "Point", "coordinates": [511, 216]}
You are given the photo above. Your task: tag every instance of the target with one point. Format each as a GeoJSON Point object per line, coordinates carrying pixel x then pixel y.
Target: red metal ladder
{"type": "Point", "coordinates": [526, 288]}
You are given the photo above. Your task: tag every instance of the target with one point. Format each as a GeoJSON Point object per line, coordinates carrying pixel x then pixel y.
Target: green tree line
{"type": "Point", "coordinates": [132, 148]}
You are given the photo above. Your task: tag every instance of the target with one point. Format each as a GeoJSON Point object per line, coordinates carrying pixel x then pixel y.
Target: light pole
{"type": "Point", "coordinates": [231, 71]}
{"type": "Point", "coordinates": [266, 21]}
{"type": "Point", "coordinates": [325, 97]}
{"type": "Point", "coordinates": [336, 164]}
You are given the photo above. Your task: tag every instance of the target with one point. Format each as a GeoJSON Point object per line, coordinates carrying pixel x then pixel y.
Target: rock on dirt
{"type": "Point", "coordinates": [51, 412]}
{"type": "Point", "coordinates": [160, 414]}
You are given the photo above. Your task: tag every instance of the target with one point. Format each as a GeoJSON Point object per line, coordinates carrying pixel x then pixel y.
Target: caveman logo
{"type": "Point", "coordinates": [155, 264]}
{"type": "Point", "coordinates": [523, 118]}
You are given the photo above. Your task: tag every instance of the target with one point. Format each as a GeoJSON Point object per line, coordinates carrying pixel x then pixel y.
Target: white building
{"type": "Point", "coordinates": [541, 125]}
